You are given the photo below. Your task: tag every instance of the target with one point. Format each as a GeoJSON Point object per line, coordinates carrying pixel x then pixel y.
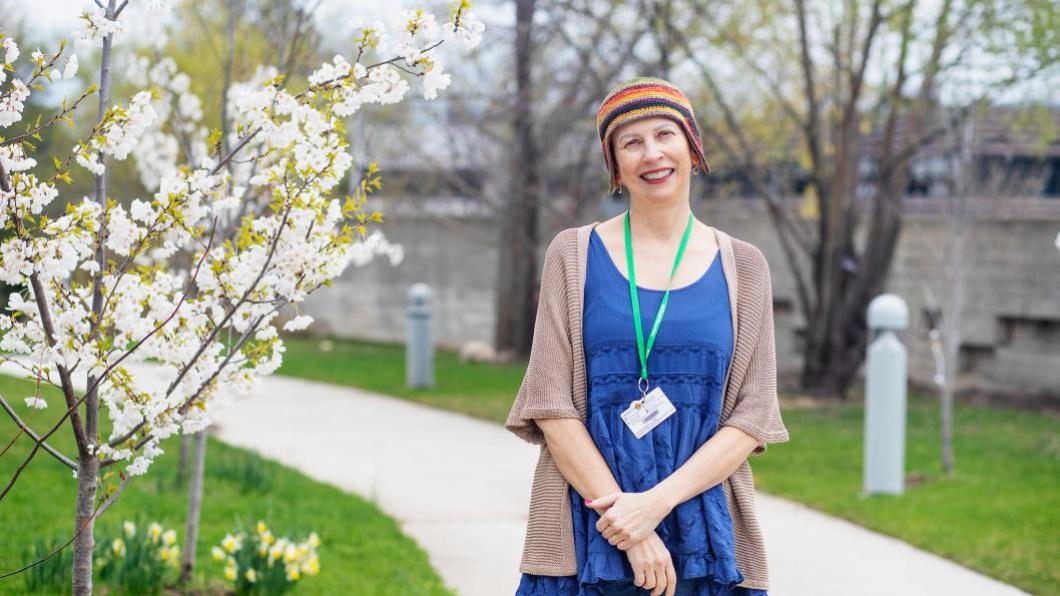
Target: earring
{"type": "Point", "coordinates": [619, 191]}
{"type": "Point", "coordinates": [695, 170]}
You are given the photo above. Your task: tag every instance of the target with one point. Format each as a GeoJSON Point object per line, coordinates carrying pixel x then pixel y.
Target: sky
{"type": "Point", "coordinates": [61, 16]}
{"type": "Point", "coordinates": [54, 18]}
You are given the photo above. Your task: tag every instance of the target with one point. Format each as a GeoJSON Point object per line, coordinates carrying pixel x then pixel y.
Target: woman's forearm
{"type": "Point", "coordinates": [713, 462]}
{"type": "Point", "coordinates": [577, 457]}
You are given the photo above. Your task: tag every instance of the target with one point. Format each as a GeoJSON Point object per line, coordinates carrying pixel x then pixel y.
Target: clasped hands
{"type": "Point", "coordinates": [628, 518]}
{"type": "Point", "coordinates": [628, 521]}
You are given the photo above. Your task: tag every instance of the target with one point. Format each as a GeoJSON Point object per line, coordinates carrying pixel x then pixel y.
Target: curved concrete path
{"type": "Point", "coordinates": [460, 487]}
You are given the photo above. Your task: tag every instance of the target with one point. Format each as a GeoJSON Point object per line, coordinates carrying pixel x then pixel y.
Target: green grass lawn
{"type": "Point", "coordinates": [480, 390]}
{"type": "Point", "coordinates": [998, 514]}
{"type": "Point", "coordinates": [362, 550]}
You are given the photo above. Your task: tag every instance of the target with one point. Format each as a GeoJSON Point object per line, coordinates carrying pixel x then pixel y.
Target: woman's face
{"type": "Point", "coordinates": [654, 158]}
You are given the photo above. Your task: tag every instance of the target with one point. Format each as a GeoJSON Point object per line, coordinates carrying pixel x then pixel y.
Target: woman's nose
{"type": "Point", "coordinates": [652, 151]}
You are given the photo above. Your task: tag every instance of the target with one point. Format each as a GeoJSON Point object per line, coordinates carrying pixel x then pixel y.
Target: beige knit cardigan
{"type": "Point", "coordinates": [554, 387]}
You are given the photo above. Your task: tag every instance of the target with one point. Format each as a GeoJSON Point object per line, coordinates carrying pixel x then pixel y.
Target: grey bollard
{"type": "Point", "coordinates": [885, 395]}
{"type": "Point", "coordinates": [419, 343]}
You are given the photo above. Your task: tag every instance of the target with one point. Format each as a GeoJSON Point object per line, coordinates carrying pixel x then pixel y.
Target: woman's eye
{"type": "Point", "coordinates": [667, 132]}
{"type": "Point", "coordinates": [630, 143]}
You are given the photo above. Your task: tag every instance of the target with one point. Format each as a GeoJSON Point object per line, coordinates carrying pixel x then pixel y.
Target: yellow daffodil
{"type": "Point", "coordinates": [230, 573]}
{"type": "Point", "coordinates": [170, 537]}
{"type": "Point", "coordinates": [118, 546]}
{"type": "Point", "coordinates": [230, 543]}
{"type": "Point", "coordinates": [130, 529]}
{"type": "Point", "coordinates": [314, 540]}
{"type": "Point", "coordinates": [312, 566]}
{"type": "Point", "coordinates": [218, 553]}
{"type": "Point", "coordinates": [154, 531]}
{"type": "Point", "coordinates": [165, 554]}
{"type": "Point", "coordinates": [267, 537]}
{"type": "Point", "coordinates": [261, 527]}
{"type": "Point", "coordinates": [292, 574]}
{"type": "Point", "coordinates": [251, 575]}
{"type": "Point", "coordinates": [275, 552]}
{"type": "Point", "coordinates": [263, 548]}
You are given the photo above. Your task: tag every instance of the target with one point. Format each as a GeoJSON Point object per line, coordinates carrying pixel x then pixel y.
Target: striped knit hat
{"type": "Point", "coordinates": [645, 97]}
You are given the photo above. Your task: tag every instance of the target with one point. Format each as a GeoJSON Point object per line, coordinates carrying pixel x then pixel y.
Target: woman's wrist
{"type": "Point", "coordinates": [665, 495]}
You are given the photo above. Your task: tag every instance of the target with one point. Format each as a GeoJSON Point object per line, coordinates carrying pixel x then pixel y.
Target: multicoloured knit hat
{"type": "Point", "coordinates": [645, 97]}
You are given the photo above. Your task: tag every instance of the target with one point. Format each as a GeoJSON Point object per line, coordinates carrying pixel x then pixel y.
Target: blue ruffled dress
{"type": "Point", "coordinates": [689, 361]}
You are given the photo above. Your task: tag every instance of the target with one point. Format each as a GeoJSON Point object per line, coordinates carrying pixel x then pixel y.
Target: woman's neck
{"type": "Point", "coordinates": [658, 222]}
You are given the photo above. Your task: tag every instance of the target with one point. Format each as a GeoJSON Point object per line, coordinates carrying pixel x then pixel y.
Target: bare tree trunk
{"type": "Point", "coordinates": [182, 470]}
{"type": "Point", "coordinates": [84, 522]}
{"type": "Point", "coordinates": [191, 531]}
{"type": "Point", "coordinates": [517, 257]}
{"type": "Point", "coordinates": [952, 333]}
{"type": "Point", "coordinates": [233, 11]}
{"type": "Point", "coordinates": [88, 461]}
{"type": "Point", "coordinates": [957, 229]}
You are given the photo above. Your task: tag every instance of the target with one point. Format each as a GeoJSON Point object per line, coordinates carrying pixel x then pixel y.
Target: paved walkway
{"type": "Point", "coordinates": [460, 488]}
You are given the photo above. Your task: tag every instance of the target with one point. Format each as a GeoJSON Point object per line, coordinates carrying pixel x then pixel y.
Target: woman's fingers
{"type": "Point", "coordinates": [671, 579]}
{"type": "Point", "coordinates": [660, 583]}
{"type": "Point", "coordinates": [650, 579]}
{"type": "Point", "coordinates": [638, 576]}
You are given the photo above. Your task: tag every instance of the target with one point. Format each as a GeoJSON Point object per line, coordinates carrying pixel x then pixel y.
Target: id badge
{"type": "Point", "coordinates": [645, 414]}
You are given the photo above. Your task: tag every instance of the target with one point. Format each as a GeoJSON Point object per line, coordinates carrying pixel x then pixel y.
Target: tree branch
{"type": "Point", "coordinates": [26, 429]}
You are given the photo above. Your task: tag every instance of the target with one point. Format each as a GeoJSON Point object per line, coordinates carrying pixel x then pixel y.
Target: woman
{"type": "Point", "coordinates": [651, 380]}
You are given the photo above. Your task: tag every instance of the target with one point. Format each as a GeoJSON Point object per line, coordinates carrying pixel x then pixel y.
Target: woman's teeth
{"type": "Point", "coordinates": [656, 176]}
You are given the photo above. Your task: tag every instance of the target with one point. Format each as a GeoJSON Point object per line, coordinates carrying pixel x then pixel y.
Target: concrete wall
{"type": "Point", "coordinates": [1010, 324]}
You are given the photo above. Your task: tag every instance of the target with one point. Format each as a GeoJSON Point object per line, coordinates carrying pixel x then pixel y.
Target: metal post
{"type": "Point", "coordinates": [419, 343]}
{"type": "Point", "coordinates": [885, 397]}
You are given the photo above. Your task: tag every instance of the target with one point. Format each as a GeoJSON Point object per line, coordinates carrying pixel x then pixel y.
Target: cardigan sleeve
{"type": "Point", "coordinates": [757, 408]}
{"type": "Point", "coordinates": [547, 387]}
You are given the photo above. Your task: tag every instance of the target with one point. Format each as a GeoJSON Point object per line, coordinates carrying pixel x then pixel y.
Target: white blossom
{"type": "Point", "coordinates": [11, 104]}
{"type": "Point", "coordinates": [10, 50]}
{"type": "Point", "coordinates": [298, 323]}
{"type": "Point", "coordinates": [36, 402]}
{"type": "Point", "coordinates": [330, 71]}
{"type": "Point", "coordinates": [264, 231]}
{"type": "Point", "coordinates": [97, 26]}
{"type": "Point", "coordinates": [434, 81]}
{"type": "Point", "coordinates": [70, 70]}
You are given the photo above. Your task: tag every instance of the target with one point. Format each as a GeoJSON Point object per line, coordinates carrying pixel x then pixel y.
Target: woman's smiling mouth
{"type": "Point", "coordinates": [657, 176]}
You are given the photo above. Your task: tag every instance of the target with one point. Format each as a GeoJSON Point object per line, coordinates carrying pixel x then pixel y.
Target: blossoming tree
{"type": "Point", "coordinates": [255, 214]}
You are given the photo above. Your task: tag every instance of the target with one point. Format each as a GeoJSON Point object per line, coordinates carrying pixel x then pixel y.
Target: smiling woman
{"type": "Point", "coordinates": [643, 483]}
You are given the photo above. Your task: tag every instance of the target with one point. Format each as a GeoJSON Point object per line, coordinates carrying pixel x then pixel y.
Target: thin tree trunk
{"type": "Point", "coordinates": [182, 471]}
{"type": "Point", "coordinates": [958, 224]}
{"type": "Point", "coordinates": [84, 543]}
{"type": "Point", "coordinates": [517, 257]}
{"type": "Point", "coordinates": [952, 336]}
{"type": "Point", "coordinates": [88, 461]}
{"type": "Point", "coordinates": [191, 532]}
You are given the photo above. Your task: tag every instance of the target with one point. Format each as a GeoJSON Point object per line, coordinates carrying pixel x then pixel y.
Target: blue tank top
{"type": "Point", "coordinates": [688, 361]}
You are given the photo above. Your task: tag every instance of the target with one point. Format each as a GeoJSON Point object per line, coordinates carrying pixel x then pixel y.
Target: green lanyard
{"type": "Point", "coordinates": [643, 351]}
